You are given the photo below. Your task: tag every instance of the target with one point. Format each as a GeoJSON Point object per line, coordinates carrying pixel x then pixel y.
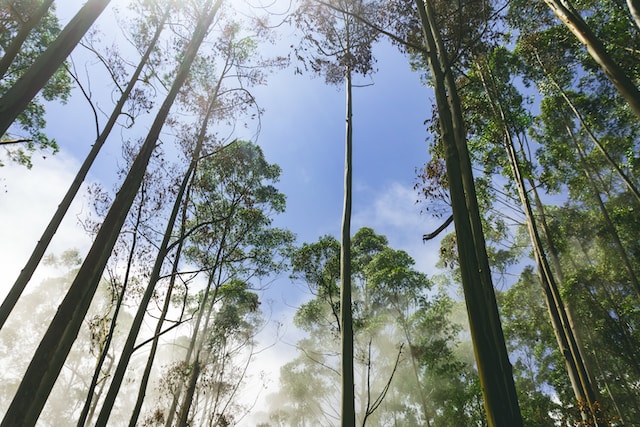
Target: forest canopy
{"type": "Point", "coordinates": [320, 212]}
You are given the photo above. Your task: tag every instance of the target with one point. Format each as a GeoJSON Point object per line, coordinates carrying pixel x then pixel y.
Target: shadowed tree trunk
{"type": "Point", "coordinates": [54, 347]}
{"type": "Point", "coordinates": [25, 275]}
{"type": "Point", "coordinates": [180, 200]}
{"type": "Point", "coordinates": [494, 368]}
{"type": "Point", "coordinates": [564, 10]}
{"type": "Point", "coordinates": [14, 48]}
{"type": "Point", "coordinates": [348, 416]}
{"type": "Point", "coordinates": [16, 99]}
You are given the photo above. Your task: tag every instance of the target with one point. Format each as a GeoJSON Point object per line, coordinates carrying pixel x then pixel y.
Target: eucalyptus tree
{"type": "Point", "coordinates": [25, 23]}
{"type": "Point", "coordinates": [342, 47]}
{"type": "Point", "coordinates": [233, 200]}
{"type": "Point", "coordinates": [494, 368]}
{"type": "Point", "coordinates": [500, 120]}
{"type": "Point", "coordinates": [57, 341]}
{"type": "Point", "coordinates": [571, 17]}
{"type": "Point", "coordinates": [27, 272]}
{"type": "Point", "coordinates": [28, 28]}
{"type": "Point", "coordinates": [16, 98]}
{"type": "Point", "coordinates": [403, 335]}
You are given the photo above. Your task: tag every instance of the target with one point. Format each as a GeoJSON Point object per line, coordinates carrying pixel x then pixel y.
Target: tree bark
{"type": "Point", "coordinates": [494, 368]}
{"type": "Point", "coordinates": [634, 9]}
{"type": "Point", "coordinates": [54, 347]}
{"type": "Point", "coordinates": [348, 412]}
{"type": "Point", "coordinates": [572, 19]}
{"type": "Point", "coordinates": [14, 47]}
{"type": "Point", "coordinates": [38, 252]}
{"type": "Point", "coordinates": [16, 99]}
{"type": "Point", "coordinates": [179, 200]}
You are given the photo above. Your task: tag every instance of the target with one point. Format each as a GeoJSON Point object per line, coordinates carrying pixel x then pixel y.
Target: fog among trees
{"type": "Point", "coordinates": [530, 121]}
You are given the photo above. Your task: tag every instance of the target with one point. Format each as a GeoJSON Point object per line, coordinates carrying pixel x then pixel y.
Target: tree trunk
{"type": "Point", "coordinates": [14, 47]}
{"type": "Point", "coordinates": [348, 412]}
{"type": "Point", "coordinates": [572, 19]}
{"type": "Point", "coordinates": [580, 381]}
{"type": "Point", "coordinates": [25, 275]}
{"type": "Point", "coordinates": [494, 368]}
{"type": "Point", "coordinates": [605, 214]}
{"type": "Point", "coordinates": [179, 200]}
{"type": "Point", "coordinates": [54, 347]}
{"type": "Point", "coordinates": [16, 99]}
{"type": "Point", "coordinates": [634, 9]}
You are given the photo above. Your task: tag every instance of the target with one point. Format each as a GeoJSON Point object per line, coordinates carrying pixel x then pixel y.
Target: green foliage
{"type": "Point", "coordinates": [397, 315]}
{"type": "Point", "coordinates": [31, 122]}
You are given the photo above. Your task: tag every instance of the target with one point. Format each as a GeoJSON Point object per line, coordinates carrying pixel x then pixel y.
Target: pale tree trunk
{"type": "Point", "coordinates": [634, 9]}
{"type": "Point", "coordinates": [16, 99]}
{"type": "Point", "coordinates": [25, 275]}
{"type": "Point", "coordinates": [215, 269]}
{"type": "Point", "coordinates": [14, 47]}
{"type": "Point", "coordinates": [54, 347]}
{"type": "Point", "coordinates": [580, 381]}
{"type": "Point", "coordinates": [494, 368]}
{"type": "Point", "coordinates": [574, 22]}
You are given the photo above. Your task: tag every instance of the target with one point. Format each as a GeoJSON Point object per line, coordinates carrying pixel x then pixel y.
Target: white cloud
{"type": "Point", "coordinates": [27, 201]}
{"type": "Point", "coordinates": [394, 213]}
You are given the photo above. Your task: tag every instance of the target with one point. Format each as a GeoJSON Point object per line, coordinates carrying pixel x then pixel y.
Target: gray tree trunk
{"type": "Point", "coordinates": [16, 99]}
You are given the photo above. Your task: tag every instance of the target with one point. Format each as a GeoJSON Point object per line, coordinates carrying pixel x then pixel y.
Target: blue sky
{"type": "Point", "coordinates": [302, 130]}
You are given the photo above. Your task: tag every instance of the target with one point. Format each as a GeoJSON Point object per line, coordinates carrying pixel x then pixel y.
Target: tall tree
{"type": "Point", "coordinates": [16, 99]}
{"type": "Point", "coordinates": [38, 252]}
{"type": "Point", "coordinates": [494, 368]}
{"type": "Point", "coordinates": [55, 345]}
{"type": "Point", "coordinates": [344, 47]}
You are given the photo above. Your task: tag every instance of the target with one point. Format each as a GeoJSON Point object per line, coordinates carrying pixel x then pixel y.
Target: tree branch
{"type": "Point", "coordinates": [430, 236]}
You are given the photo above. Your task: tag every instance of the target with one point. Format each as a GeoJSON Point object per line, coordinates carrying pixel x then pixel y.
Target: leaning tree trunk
{"type": "Point", "coordinates": [634, 9]}
{"type": "Point", "coordinates": [16, 43]}
{"type": "Point", "coordinates": [565, 11]}
{"type": "Point", "coordinates": [36, 256]}
{"type": "Point", "coordinates": [494, 368]}
{"type": "Point", "coordinates": [580, 381]}
{"type": "Point", "coordinates": [16, 99]}
{"type": "Point", "coordinates": [54, 347]}
{"type": "Point", "coordinates": [179, 200]}
{"type": "Point", "coordinates": [605, 214]}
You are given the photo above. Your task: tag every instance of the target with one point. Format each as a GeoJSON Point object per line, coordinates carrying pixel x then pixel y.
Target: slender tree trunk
{"type": "Point", "coordinates": [565, 11]}
{"type": "Point", "coordinates": [630, 185]}
{"type": "Point", "coordinates": [193, 380]}
{"type": "Point", "coordinates": [25, 275]}
{"type": "Point", "coordinates": [112, 327]}
{"type": "Point", "coordinates": [605, 214]}
{"type": "Point", "coordinates": [634, 9]}
{"type": "Point", "coordinates": [14, 47]}
{"type": "Point", "coordinates": [494, 368]}
{"type": "Point", "coordinates": [580, 381]}
{"type": "Point", "coordinates": [348, 417]}
{"type": "Point", "coordinates": [54, 347]}
{"type": "Point", "coordinates": [16, 99]}
{"type": "Point", "coordinates": [189, 173]}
